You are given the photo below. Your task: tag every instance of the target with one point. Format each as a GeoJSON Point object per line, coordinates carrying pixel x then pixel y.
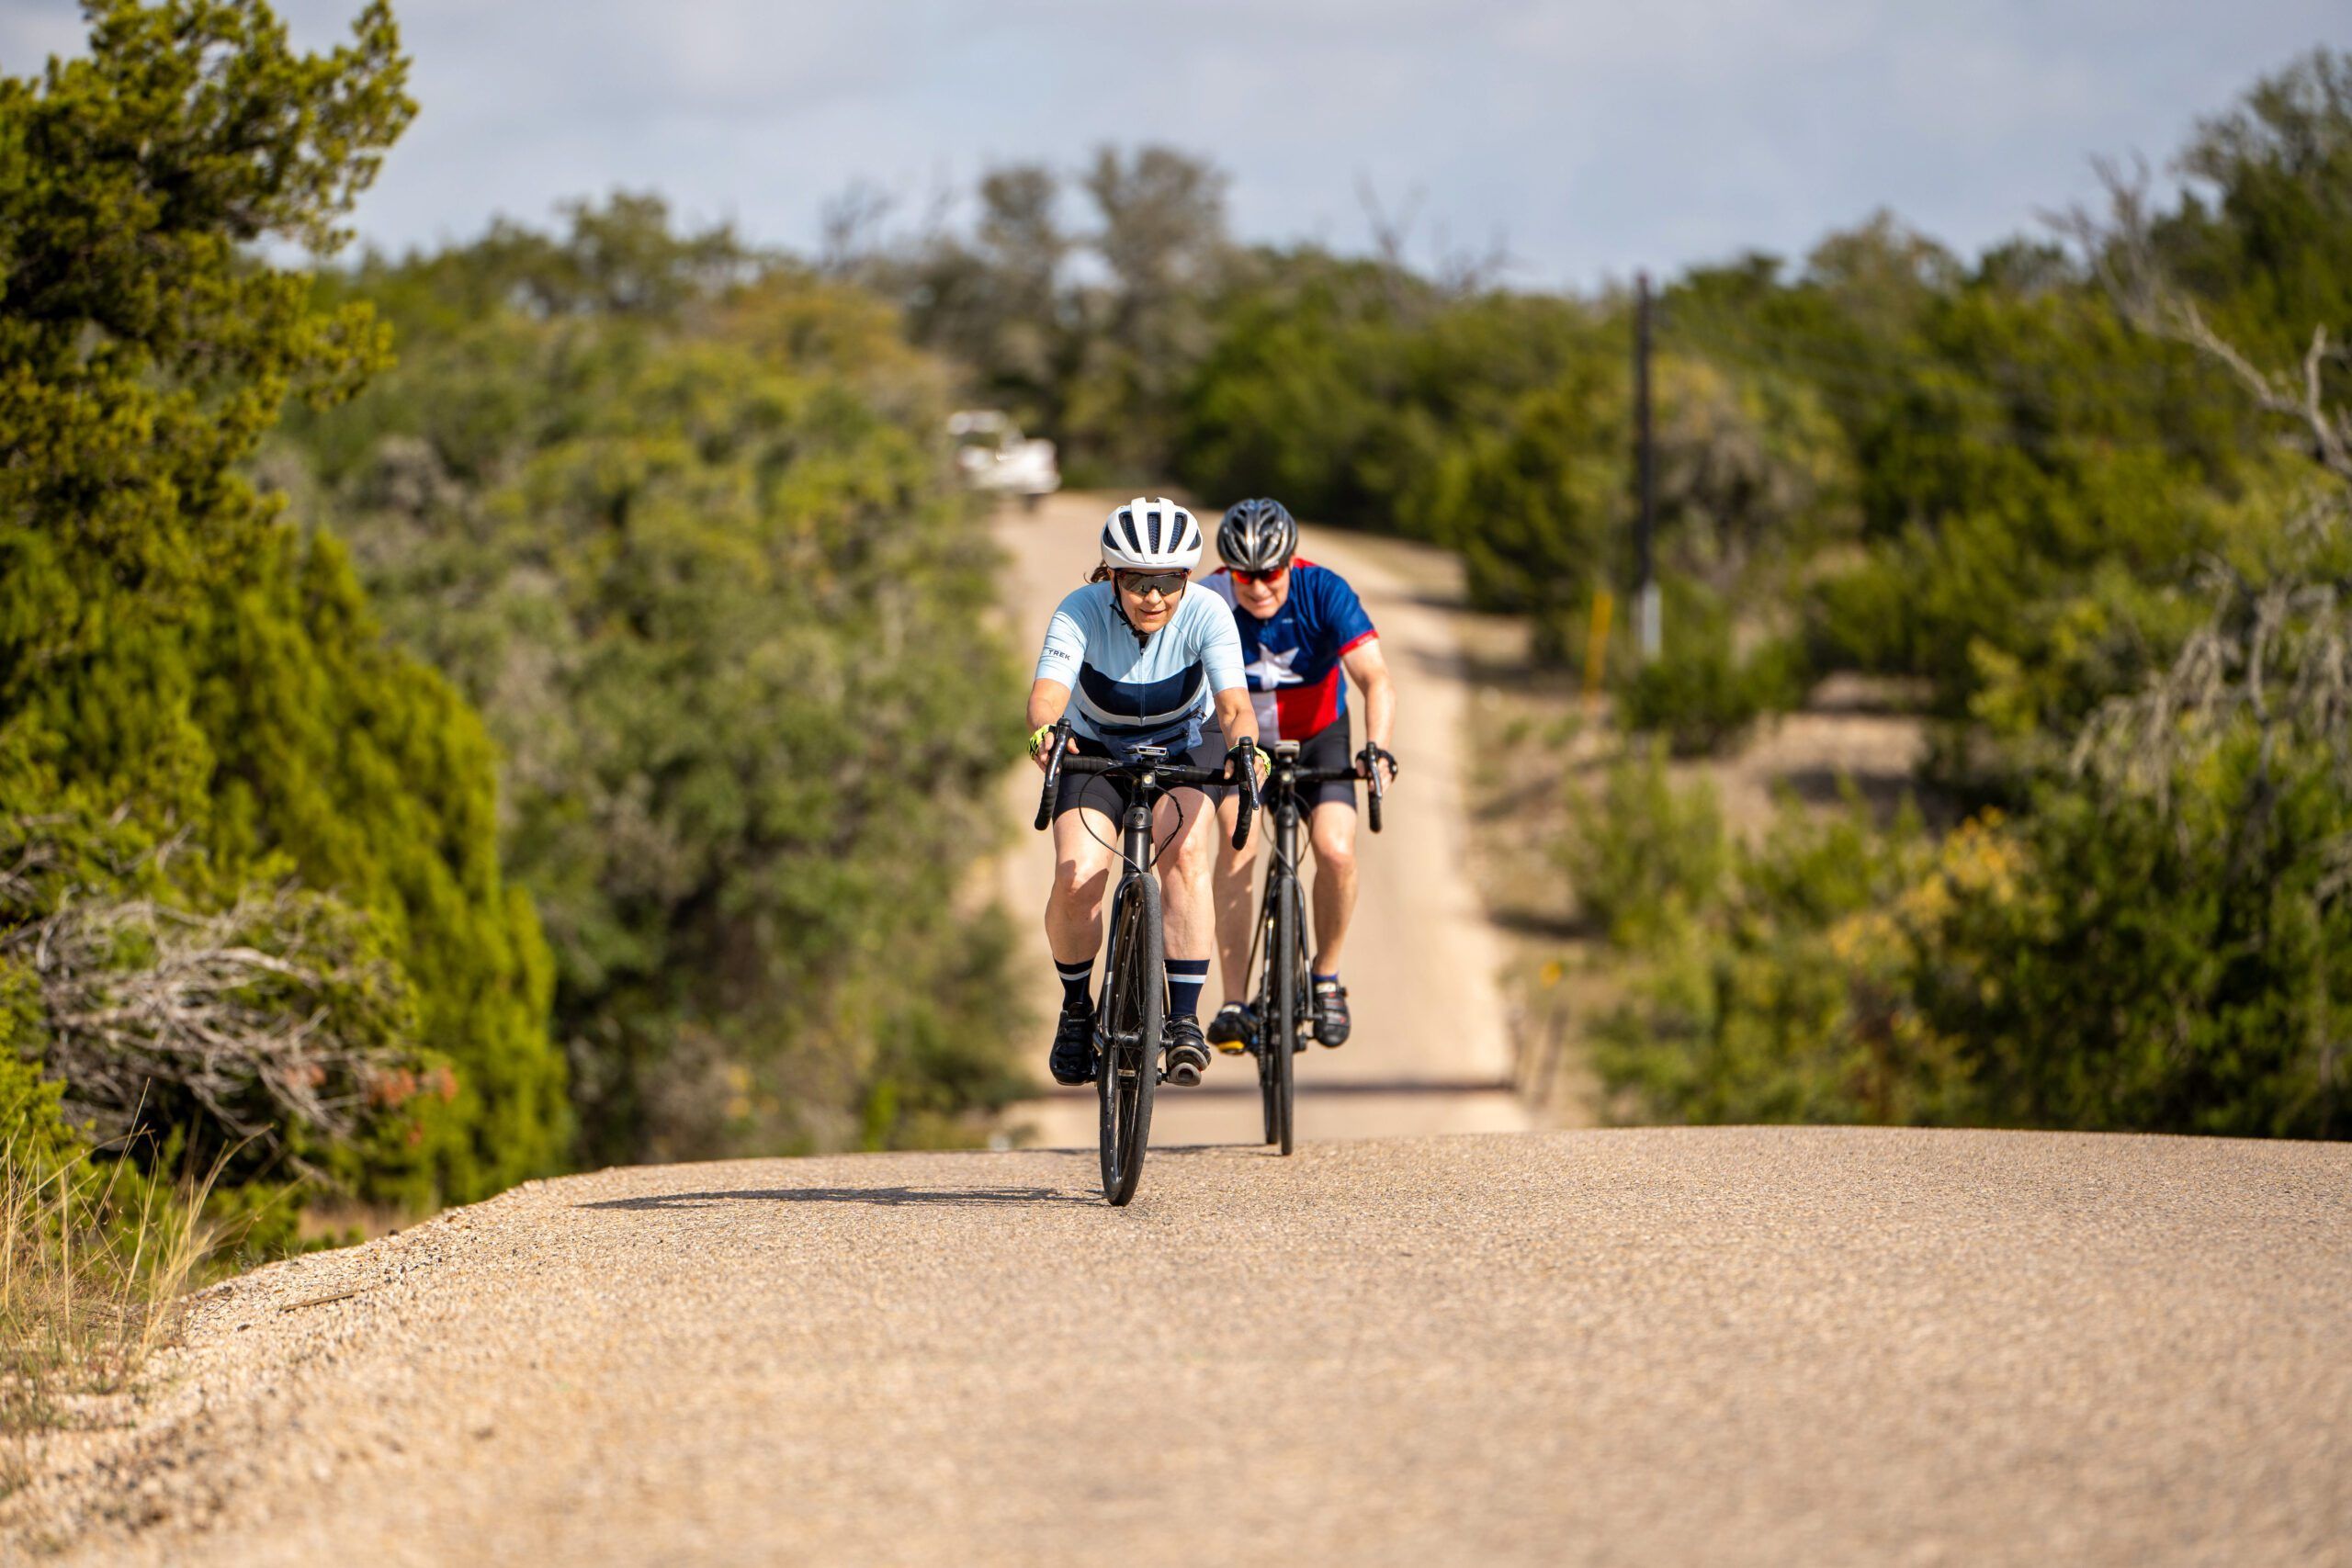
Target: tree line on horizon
{"type": "Point", "coordinates": [2082, 498]}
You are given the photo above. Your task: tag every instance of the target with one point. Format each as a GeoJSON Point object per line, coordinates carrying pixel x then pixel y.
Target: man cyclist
{"type": "Point", "coordinates": [1301, 626]}
{"type": "Point", "coordinates": [1135, 660]}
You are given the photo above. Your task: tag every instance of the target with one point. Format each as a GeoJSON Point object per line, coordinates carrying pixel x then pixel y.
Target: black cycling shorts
{"type": "Point", "coordinates": [1333, 746]}
{"type": "Point", "coordinates": [1109, 795]}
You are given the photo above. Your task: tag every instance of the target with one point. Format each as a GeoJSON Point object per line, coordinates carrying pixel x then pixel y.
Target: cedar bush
{"type": "Point", "coordinates": [1701, 694]}
{"type": "Point", "coordinates": [197, 709]}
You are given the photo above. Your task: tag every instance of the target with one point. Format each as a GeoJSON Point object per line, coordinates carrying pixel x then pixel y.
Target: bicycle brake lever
{"type": "Point", "coordinates": [1053, 776]}
{"type": "Point", "coordinates": [1244, 769]}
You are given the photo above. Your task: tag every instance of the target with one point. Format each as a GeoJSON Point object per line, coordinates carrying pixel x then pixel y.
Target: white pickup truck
{"type": "Point", "coordinates": [992, 454]}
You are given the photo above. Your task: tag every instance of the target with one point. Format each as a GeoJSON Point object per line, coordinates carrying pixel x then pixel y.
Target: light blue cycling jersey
{"type": "Point", "coordinates": [1129, 690]}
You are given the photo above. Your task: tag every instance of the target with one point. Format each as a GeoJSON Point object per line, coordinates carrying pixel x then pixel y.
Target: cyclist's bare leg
{"type": "Point", "coordinates": [1235, 890]}
{"type": "Point", "coordinates": [1185, 872]}
{"type": "Point", "coordinates": [1085, 849]}
{"type": "Point", "coordinates": [1331, 830]}
{"type": "Point", "coordinates": [1184, 827]}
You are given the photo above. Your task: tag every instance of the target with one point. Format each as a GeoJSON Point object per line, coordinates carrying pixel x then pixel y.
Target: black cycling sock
{"type": "Point", "coordinates": [1186, 979]}
{"type": "Point", "coordinates": [1076, 978]}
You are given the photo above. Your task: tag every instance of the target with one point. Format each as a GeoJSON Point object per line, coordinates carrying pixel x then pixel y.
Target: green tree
{"type": "Point", "coordinates": [997, 304]}
{"type": "Point", "coordinates": [2156, 940]}
{"type": "Point", "coordinates": [2267, 223]}
{"type": "Point", "coordinates": [1162, 240]}
{"type": "Point", "coordinates": [178, 671]}
{"type": "Point", "coordinates": [705, 574]}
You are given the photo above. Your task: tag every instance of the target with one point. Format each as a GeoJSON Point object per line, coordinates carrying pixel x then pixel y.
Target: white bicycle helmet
{"type": "Point", "coordinates": [1152, 534]}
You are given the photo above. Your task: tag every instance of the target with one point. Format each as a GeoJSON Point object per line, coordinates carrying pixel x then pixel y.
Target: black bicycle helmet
{"type": "Point", "coordinates": [1257, 536]}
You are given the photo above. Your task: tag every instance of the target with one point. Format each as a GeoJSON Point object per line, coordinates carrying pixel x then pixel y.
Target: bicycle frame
{"type": "Point", "coordinates": [1282, 927]}
{"type": "Point", "coordinates": [1134, 978]}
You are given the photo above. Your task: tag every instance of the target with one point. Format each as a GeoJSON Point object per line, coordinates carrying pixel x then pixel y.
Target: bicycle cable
{"type": "Point", "coordinates": [1118, 851]}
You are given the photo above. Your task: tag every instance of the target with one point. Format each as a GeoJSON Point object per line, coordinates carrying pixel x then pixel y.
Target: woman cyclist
{"type": "Point", "coordinates": [1146, 662]}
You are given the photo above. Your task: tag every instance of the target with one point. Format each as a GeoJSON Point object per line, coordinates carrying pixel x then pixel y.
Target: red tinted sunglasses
{"type": "Point", "coordinates": [1260, 579]}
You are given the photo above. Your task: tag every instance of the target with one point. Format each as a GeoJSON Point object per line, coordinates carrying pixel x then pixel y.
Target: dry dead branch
{"type": "Point", "coordinates": [262, 1014]}
{"type": "Point", "coordinates": [2276, 654]}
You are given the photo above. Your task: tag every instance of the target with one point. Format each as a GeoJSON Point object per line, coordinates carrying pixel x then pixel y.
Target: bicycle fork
{"type": "Point", "coordinates": [1135, 856]}
{"type": "Point", "coordinates": [1282, 866]}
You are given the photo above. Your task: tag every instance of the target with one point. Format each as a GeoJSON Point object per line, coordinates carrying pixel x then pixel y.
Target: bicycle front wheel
{"type": "Point", "coordinates": [1287, 958]}
{"type": "Point", "coordinates": [1135, 992]}
{"type": "Point", "coordinates": [1261, 1008]}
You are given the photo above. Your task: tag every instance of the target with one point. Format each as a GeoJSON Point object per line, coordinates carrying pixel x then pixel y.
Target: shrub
{"type": "Point", "coordinates": [1644, 854]}
{"type": "Point", "coordinates": [1700, 694]}
{"type": "Point", "coordinates": [2118, 958]}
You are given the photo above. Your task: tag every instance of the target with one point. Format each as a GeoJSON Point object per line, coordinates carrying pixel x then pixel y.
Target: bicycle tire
{"type": "Point", "coordinates": [1135, 991]}
{"type": "Point", "coordinates": [1262, 1004]}
{"type": "Point", "coordinates": [1289, 957]}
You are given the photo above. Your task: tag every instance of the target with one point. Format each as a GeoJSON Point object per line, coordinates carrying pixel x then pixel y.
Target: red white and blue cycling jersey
{"type": "Point", "coordinates": [1293, 658]}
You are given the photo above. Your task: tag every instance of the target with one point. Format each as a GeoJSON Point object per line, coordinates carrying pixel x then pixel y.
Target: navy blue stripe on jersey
{"type": "Point", "coordinates": [1126, 706]}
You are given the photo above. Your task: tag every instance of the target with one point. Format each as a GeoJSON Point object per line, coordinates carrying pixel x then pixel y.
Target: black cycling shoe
{"type": "Point", "coordinates": [1072, 1063]}
{"type": "Point", "coordinates": [1331, 1013]}
{"type": "Point", "coordinates": [1188, 1053]}
{"type": "Point", "coordinates": [1233, 1028]}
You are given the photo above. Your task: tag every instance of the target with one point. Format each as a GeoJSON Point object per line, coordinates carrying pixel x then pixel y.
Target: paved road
{"type": "Point", "coordinates": [1431, 1044]}
{"type": "Point", "coordinates": [1739, 1346]}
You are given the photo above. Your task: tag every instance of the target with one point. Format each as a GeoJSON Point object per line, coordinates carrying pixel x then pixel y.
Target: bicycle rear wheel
{"type": "Point", "coordinates": [1285, 959]}
{"type": "Point", "coordinates": [1135, 992]}
{"type": "Point", "coordinates": [1261, 1011]}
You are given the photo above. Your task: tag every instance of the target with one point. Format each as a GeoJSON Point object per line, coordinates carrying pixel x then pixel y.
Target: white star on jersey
{"type": "Point", "coordinates": [1274, 668]}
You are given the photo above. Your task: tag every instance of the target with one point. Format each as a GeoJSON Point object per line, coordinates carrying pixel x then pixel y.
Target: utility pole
{"type": "Point", "coordinates": [1645, 601]}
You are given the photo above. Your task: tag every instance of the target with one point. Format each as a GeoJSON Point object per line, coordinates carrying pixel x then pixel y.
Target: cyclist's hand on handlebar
{"type": "Point", "coordinates": [1263, 762]}
{"type": "Point", "coordinates": [1041, 745]}
{"type": "Point", "coordinates": [1372, 755]}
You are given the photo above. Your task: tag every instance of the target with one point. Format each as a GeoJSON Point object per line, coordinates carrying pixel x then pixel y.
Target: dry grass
{"type": "Point", "coordinates": [94, 1261]}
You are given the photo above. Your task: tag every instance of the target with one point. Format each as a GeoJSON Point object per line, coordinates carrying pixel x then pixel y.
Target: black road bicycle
{"type": "Point", "coordinates": [1134, 964]}
{"type": "Point", "coordinates": [1280, 1002]}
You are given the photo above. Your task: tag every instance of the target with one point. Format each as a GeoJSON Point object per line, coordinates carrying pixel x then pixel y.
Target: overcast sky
{"type": "Point", "coordinates": [1593, 136]}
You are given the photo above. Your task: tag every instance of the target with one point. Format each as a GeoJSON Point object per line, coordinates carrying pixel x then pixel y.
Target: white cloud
{"type": "Point", "coordinates": [1598, 136]}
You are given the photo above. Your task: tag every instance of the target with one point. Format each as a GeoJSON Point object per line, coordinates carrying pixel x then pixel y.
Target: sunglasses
{"type": "Point", "coordinates": [1167, 584]}
{"type": "Point", "coordinates": [1260, 579]}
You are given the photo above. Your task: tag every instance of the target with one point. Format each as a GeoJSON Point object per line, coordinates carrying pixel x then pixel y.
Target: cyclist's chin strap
{"type": "Point", "coordinates": [1142, 637]}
